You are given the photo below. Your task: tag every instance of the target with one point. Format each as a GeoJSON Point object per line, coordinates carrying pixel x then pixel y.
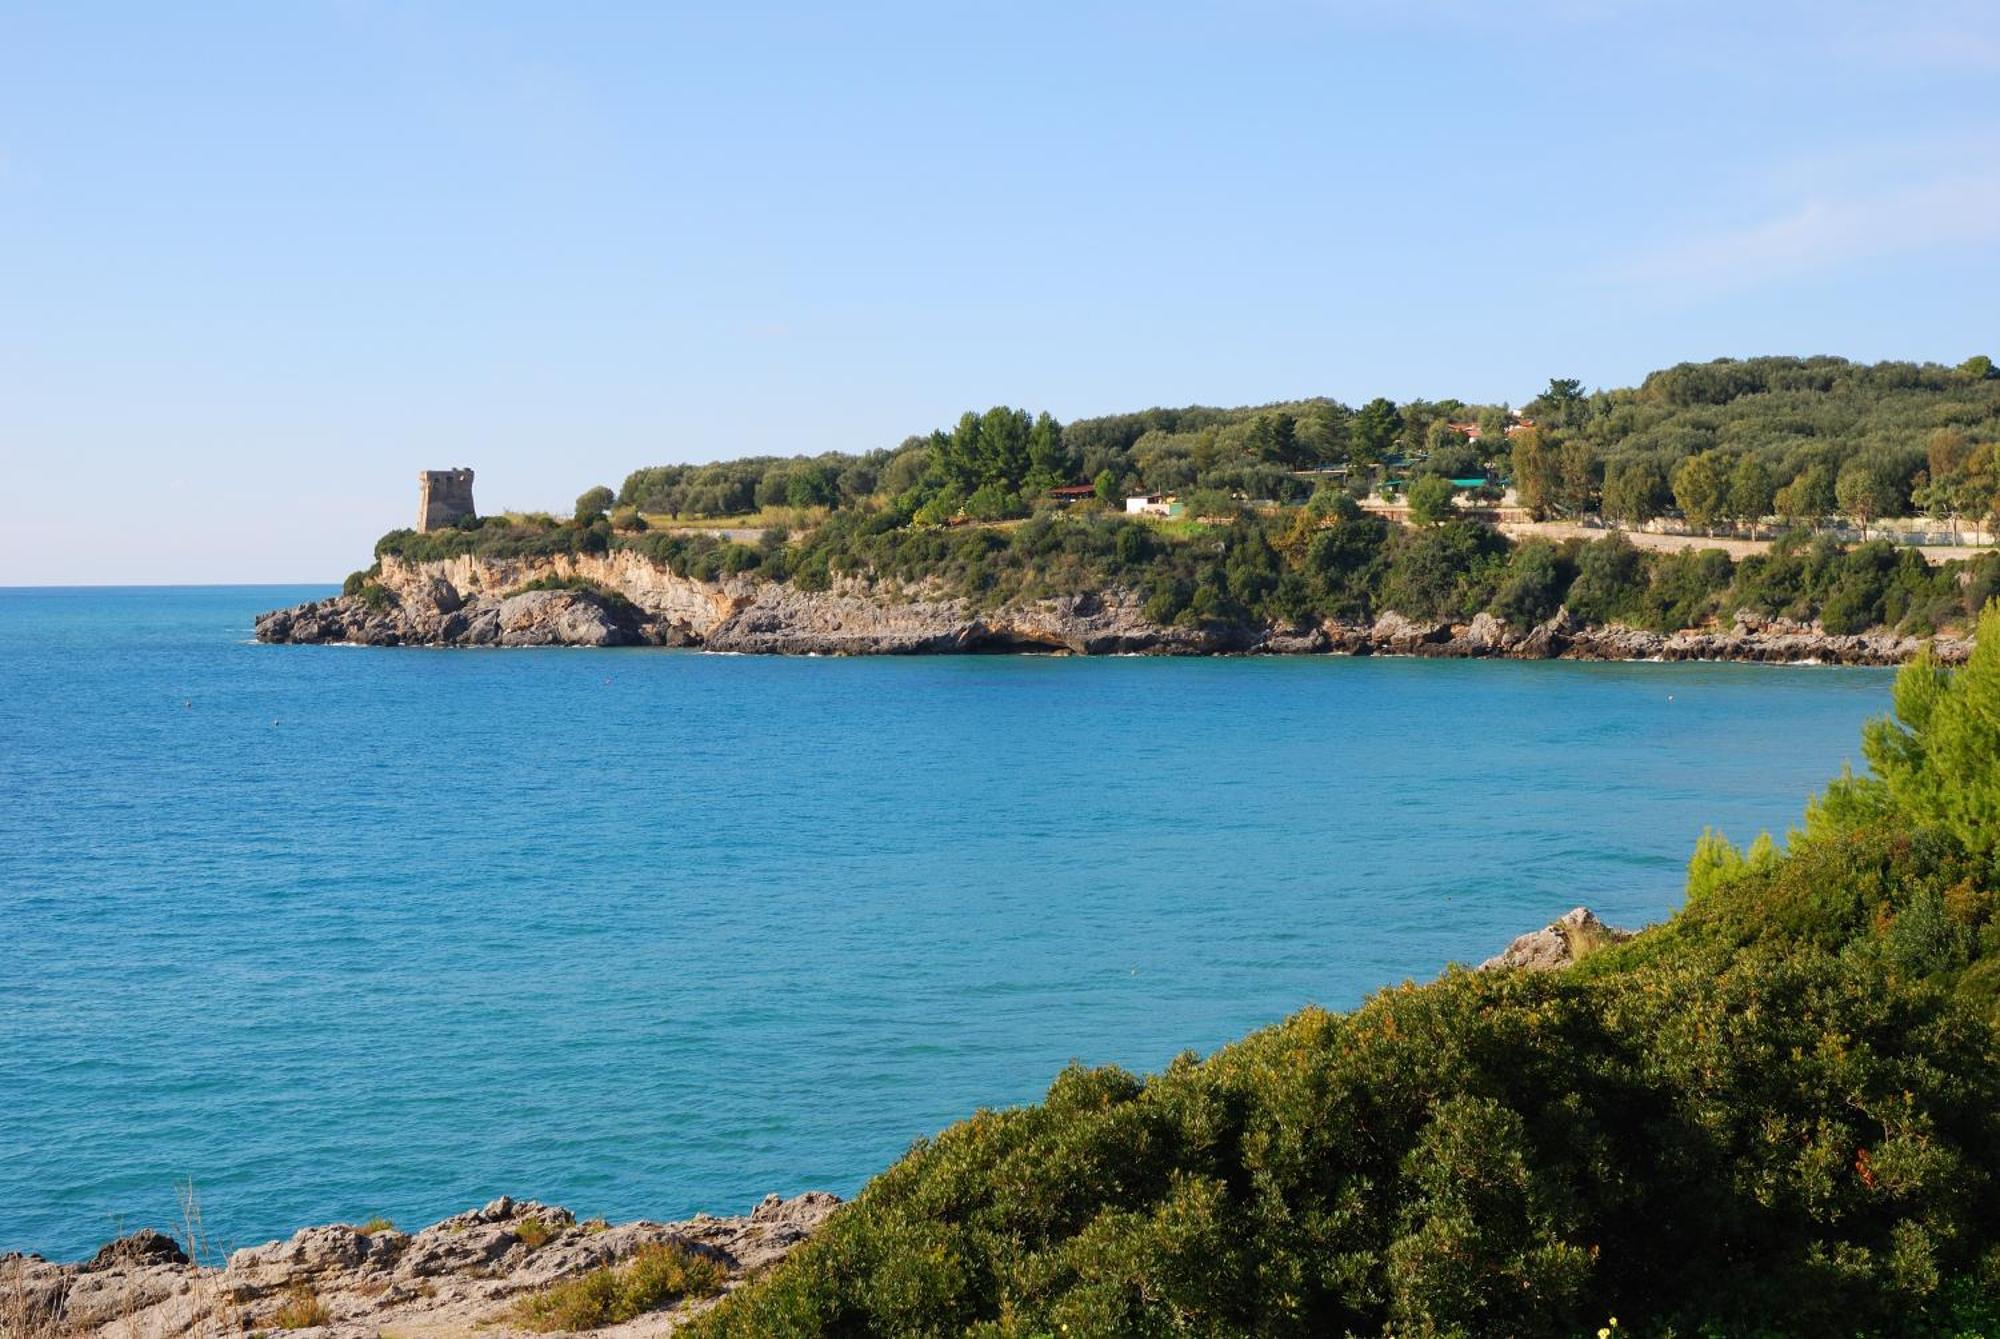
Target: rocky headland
{"type": "Point", "coordinates": [623, 599]}
{"type": "Point", "coordinates": [470, 1274]}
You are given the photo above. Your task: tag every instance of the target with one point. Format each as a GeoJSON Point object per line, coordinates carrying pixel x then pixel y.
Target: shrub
{"type": "Point", "coordinates": [592, 503]}
{"type": "Point", "coordinates": [655, 1276]}
{"type": "Point", "coordinates": [302, 1309]}
{"type": "Point", "coordinates": [1778, 1113]}
{"type": "Point", "coordinates": [534, 1233]}
{"type": "Point", "coordinates": [1536, 578]}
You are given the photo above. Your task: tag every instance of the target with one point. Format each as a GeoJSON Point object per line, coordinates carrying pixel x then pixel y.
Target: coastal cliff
{"type": "Point", "coordinates": [623, 599]}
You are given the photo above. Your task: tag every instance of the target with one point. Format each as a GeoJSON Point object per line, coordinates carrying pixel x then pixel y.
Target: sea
{"type": "Point", "coordinates": [326, 933]}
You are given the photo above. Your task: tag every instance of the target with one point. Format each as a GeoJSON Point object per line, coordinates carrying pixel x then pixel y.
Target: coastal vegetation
{"type": "Point", "coordinates": [1006, 506]}
{"type": "Point", "coordinates": [1727, 442]}
{"type": "Point", "coordinates": [1326, 559]}
{"type": "Point", "coordinates": [654, 1277]}
{"type": "Point", "coordinates": [1776, 1114]}
{"type": "Point", "coordinates": [302, 1309]}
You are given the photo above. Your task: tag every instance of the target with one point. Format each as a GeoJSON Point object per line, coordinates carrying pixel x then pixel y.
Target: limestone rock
{"type": "Point", "coordinates": [622, 598]}
{"type": "Point", "coordinates": [1393, 632]}
{"type": "Point", "coordinates": [1574, 935]}
{"type": "Point", "coordinates": [462, 1275]}
{"type": "Point", "coordinates": [1487, 633]}
{"type": "Point", "coordinates": [147, 1246]}
{"type": "Point", "coordinates": [561, 618]}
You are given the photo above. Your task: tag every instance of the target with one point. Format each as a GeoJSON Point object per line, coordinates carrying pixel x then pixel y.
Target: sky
{"type": "Point", "coordinates": [262, 263]}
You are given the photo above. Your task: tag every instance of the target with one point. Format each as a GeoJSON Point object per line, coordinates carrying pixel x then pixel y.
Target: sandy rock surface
{"type": "Point", "coordinates": [462, 1276]}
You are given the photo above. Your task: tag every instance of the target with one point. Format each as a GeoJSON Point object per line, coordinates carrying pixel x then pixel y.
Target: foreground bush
{"type": "Point", "coordinates": [1777, 1114]}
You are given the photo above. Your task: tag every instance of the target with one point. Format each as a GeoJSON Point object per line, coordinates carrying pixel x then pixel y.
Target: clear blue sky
{"type": "Point", "coordinates": [260, 263]}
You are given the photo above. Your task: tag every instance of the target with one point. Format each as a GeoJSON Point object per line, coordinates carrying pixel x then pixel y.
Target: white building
{"type": "Point", "coordinates": [1153, 504]}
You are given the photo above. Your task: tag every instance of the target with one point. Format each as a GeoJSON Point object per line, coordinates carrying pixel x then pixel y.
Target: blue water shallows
{"type": "Point", "coordinates": [336, 932]}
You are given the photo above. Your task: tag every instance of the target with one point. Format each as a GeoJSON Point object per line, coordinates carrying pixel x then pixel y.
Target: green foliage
{"type": "Point", "coordinates": [1685, 588]}
{"type": "Point", "coordinates": [1610, 581]}
{"type": "Point", "coordinates": [1430, 499]}
{"type": "Point", "coordinates": [1729, 441]}
{"type": "Point", "coordinates": [593, 503]}
{"type": "Point", "coordinates": [1701, 489]}
{"type": "Point", "coordinates": [1636, 491]}
{"type": "Point", "coordinates": [1445, 572]}
{"type": "Point", "coordinates": [1770, 433]}
{"type": "Point", "coordinates": [1938, 759]}
{"type": "Point", "coordinates": [1532, 587]}
{"type": "Point", "coordinates": [1537, 473]}
{"type": "Point", "coordinates": [1775, 1114]}
{"type": "Point", "coordinates": [375, 596]}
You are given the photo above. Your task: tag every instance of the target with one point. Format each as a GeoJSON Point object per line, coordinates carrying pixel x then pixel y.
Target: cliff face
{"type": "Point", "coordinates": [466, 602]}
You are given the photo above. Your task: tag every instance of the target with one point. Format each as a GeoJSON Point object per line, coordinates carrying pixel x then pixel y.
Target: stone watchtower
{"type": "Point", "coordinates": [443, 496]}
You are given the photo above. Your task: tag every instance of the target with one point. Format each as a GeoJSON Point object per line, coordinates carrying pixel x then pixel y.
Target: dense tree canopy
{"type": "Point", "coordinates": [1796, 438]}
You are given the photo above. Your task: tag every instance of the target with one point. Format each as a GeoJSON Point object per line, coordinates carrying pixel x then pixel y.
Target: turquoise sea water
{"type": "Point", "coordinates": [336, 932]}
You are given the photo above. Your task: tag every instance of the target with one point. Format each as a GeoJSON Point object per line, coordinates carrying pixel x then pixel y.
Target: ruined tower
{"type": "Point", "coordinates": [443, 496]}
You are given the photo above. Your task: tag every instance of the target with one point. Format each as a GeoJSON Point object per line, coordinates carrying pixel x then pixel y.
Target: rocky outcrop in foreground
{"type": "Point", "coordinates": [466, 1275]}
{"type": "Point", "coordinates": [1574, 935]}
{"type": "Point", "coordinates": [621, 599]}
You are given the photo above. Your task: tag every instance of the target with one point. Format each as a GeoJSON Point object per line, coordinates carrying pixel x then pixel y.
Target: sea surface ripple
{"type": "Point", "coordinates": [334, 932]}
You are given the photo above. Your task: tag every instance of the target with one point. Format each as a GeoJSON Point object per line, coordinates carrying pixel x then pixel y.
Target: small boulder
{"type": "Point", "coordinates": [1487, 633]}
{"type": "Point", "coordinates": [144, 1247]}
{"type": "Point", "coordinates": [1573, 936]}
{"type": "Point", "coordinates": [1394, 632]}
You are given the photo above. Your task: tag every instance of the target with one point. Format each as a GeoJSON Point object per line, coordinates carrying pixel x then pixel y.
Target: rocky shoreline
{"type": "Point", "coordinates": [467, 1274]}
{"type": "Point", "coordinates": [620, 599]}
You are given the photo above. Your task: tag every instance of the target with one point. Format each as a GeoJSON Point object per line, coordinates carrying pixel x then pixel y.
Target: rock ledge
{"type": "Point", "coordinates": [461, 1276]}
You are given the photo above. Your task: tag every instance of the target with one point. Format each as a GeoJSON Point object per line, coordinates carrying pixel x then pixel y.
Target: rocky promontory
{"type": "Point", "coordinates": [622, 599]}
{"type": "Point", "coordinates": [490, 1271]}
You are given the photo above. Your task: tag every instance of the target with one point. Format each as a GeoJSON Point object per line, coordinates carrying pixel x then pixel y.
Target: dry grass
{"type": "Point", "coordinates": [22, 1315]}
{"type": "Point", "coordinates": [217, 1303]}
{"type": "Point", "coordinates": [534, 1233]}
{"type": "Point", "coordinates": [302, 1310]}
{"type": "Point", "coordinates": [655, 1276]}
{"type": "Point", "coordinates": [788, 518]}
{"type": "Point", "coordinates": [376, 1224]}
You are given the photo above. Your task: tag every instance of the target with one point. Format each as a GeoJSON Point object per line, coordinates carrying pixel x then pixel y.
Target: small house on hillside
{"type": "Point", "coordinates": [1154, 504]}
{"type": "Point", "coordinates": [1470, 430]}
{"type": "Point", "coordinates": [1069, 493]}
